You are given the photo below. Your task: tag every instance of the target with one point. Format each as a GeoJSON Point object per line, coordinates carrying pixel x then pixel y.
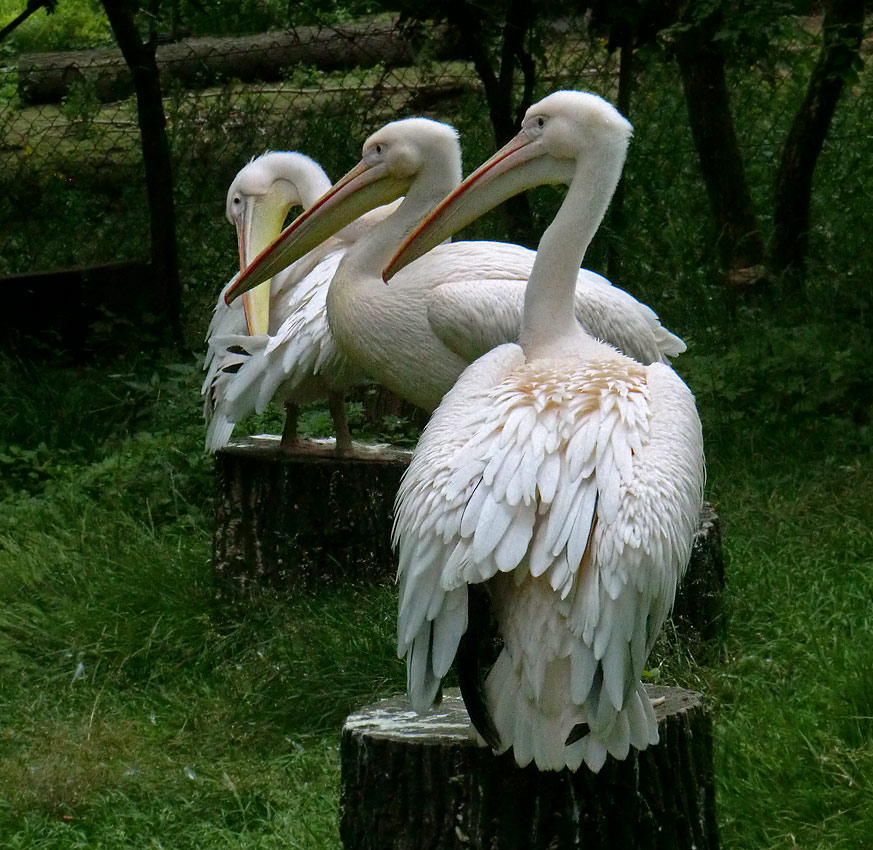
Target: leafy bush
{"type": "Point", "coordinates": [75, 24]}
{"type": "Point", "coordinates": [58, 417]}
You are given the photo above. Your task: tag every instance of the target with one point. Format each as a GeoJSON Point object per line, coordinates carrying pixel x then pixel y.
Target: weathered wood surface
{"type": "Point", "coordinates": [198, 62]}
{"type": "Point", "coordinates": [291, 521]}
{"type": "Point", "coordinates": [429, 783]}
{"type": "Point", "coordinates": [59, 311]}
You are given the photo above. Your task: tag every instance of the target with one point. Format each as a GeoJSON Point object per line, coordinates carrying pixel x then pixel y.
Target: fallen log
{"type": "Point", "coordinates": [201, 62]}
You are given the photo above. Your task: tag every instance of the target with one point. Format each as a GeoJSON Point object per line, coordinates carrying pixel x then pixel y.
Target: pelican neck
{"type": "Point", "coordinates": [369, 256]}
{"type": "Point", "coordinates": [549, 315]}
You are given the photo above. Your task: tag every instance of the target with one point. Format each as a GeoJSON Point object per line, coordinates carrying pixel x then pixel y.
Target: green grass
{"type": "Point", "coordinates": [794, 730]}
{"type": "Point", "coordinates": [139, 711]}
{"type": "Point", "coordinates": [135, 706]}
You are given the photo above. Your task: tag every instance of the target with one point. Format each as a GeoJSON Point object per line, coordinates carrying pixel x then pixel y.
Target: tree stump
{"type": "Point", "coordinates": [303, 519]}
{"type": "Point", "coordinates": [699, 607]}
{"type": "Point", "coordinates": [414, 782]}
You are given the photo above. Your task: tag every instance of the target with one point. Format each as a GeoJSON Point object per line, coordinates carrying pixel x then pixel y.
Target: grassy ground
{"type": "Point", "coordinates": [138, 711]}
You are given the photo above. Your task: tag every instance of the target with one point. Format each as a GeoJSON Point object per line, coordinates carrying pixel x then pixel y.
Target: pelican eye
{"type": "Point", "coordinates": [378, 149]}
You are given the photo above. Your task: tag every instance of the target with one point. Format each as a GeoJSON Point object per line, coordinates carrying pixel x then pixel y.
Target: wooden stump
{"type": "Point", "coordinates": [429, 783]}
{"type": "Point", "coordinates": [303, 519]}
{"type": "Point", "coordinates": [698, 612]}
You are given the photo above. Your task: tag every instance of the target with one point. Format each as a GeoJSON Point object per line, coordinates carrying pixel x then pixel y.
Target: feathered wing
{"type": "Point", "coordinates": [221, 364]}
{"type": "Point", "coordinates": [299, 362]}
{"type": "Point", "coordinates": [431, 504]}
{"type": "Point", "coordinates": [478, 305]}
{"type": "Point", "coordinates": [565, 492]}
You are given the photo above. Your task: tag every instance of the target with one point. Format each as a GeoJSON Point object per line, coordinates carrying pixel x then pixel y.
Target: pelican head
{"type": "Point", "coordinates": [414, 157]}
{"type": "Point", "coordinates": [565, 131]}
{"type": "Point", "coordinates": [257, 202]}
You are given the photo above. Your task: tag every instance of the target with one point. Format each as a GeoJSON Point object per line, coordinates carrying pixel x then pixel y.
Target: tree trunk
{"type": "Point", "coordinates": [842, 32]}
{"type": "Point", "coordinates": [428, 783]}
{"type": "Point", "coordinates": [625, 40]}
{"type": "Point", "coordinates": [702, 67]}
{"type": "Point", "coordinates": [499, 85]}
{"type": "Point", "coordinates": [140, 59]}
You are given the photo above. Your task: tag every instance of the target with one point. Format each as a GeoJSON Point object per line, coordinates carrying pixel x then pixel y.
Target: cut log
{"type": "Point", "coordinates": [200, 62]}
{"type": "Point", "coordinates": [292, 521]}
{"type": "Point", "coordinates": [412, 782]}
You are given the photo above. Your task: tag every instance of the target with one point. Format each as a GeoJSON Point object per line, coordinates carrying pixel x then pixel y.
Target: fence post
{"type": "Point", "coordinates": [140, 59]}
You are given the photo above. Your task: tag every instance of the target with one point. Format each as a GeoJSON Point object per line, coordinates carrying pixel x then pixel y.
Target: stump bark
{"type": "Point", "coordinates": [414, 782]}
{"type": "Point", "coordinates": [303, 519]}
{"type": "Point", "coordinates": [698, 612]}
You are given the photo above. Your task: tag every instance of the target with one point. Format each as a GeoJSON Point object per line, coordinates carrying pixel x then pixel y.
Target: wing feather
{"type": "Point", "coordinates": [578, 512]}
{"type": "Point", "coordinates": [298, 362]}
{"type": "Point", "coordinates": [479, 305]}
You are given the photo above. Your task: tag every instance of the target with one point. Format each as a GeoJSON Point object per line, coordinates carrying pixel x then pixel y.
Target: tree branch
{"type": "Point", "coordinates": [32, 7]}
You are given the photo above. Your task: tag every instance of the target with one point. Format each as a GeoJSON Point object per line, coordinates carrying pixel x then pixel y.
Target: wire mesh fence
{"type": "Point", "coordinates": [71, 177]}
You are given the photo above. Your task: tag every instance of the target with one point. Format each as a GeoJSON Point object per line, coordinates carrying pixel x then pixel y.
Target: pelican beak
{"type": "Point", "coordinates": [255, 230]}
{"type": "Point", "coordinates": [519, 165]}
{"type": "Point", "coordinates": [364, 188]}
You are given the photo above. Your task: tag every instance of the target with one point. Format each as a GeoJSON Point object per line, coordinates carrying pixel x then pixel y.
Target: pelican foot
{"type": "Point", "coordinates": [290, 441]}
{"type": "Point", "coordinates": [341, 423]}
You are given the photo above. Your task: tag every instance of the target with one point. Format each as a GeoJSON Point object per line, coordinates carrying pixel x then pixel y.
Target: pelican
{"type": "Point", "coordinates": [279, 345]}
{"type": "Point", "coordinates": [452, 305]}
{"type": "Point", "coordinates": [558, 478]}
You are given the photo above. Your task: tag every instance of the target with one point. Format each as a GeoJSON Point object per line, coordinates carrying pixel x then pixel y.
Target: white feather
{"type": "Point", "coordinates": [568, 478]}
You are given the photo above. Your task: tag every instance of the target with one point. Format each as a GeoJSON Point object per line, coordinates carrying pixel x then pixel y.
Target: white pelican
{"type": "Point", "coordinates": [558, 474]}
{"type": "Point", "coordinates": [280, 345]}
{"type": "Point", "coordinates": [455, 303]}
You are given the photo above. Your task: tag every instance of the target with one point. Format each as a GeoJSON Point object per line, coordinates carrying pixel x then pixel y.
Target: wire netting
{"type": "Point", "coordinates": [71, 178]}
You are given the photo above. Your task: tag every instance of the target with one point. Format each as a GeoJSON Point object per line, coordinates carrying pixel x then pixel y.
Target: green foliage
{"type": "Point", "coordinates": [57, 418]}
{"type": "Point", "coordinates": [778, 379]}
{"type": "Point", "coordinates": [75, 24]}
{"type": "Point", "coordinates": [137, 708]}
{"type": "Point", "coordinates": [81, 104]}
